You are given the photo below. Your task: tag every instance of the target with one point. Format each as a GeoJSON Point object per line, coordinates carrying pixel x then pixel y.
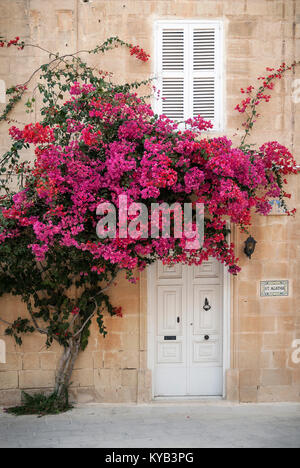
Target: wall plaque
{"type": "Point", "coordinates": [274, 288]}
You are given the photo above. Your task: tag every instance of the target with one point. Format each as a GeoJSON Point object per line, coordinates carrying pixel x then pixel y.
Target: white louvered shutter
{"type": "Point", "coordinates": [173, 68]}
{"type": "Point", "coordinates": [204, 65]}
{"type": "Point", "coordinates": [189, 66]}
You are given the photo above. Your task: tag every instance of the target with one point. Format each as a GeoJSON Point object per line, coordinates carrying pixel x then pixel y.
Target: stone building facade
{"type": "Point", "coordinates": [260, 331]}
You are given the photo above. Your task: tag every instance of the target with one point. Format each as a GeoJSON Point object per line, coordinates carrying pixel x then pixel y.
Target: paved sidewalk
{"type": "Point", "coordinates": [158, 425]}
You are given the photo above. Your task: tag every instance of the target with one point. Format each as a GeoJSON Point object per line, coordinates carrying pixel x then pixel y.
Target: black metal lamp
{"type": "Point", "coordinates": [250, 245]}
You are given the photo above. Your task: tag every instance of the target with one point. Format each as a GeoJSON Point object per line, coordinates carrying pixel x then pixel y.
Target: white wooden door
{"type": "Point", "coordinates": [189, 330]}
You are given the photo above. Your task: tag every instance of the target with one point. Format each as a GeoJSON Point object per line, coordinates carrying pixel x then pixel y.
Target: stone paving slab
{"type": "Point", "coordinates": [161, 425]}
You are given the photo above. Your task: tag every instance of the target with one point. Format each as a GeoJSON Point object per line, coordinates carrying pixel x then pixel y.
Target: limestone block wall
{"type": "Point", "coordinates": [264, 327]}
{"type": "Point", "coordinates": [258, 33]}
{"type": "Point", "coordinates": [112, 369]}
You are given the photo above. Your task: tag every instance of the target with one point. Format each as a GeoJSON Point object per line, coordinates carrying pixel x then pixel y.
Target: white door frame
{"type": "Point", "coordinates": [151, 321]}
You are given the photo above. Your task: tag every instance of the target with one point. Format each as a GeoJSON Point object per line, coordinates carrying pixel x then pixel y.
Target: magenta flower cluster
{"type": "Point", "coordinates": [117, 146]}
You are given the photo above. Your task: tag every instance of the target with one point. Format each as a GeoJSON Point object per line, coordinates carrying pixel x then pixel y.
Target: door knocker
{"type": "Point", "coordinates": [206, 306]}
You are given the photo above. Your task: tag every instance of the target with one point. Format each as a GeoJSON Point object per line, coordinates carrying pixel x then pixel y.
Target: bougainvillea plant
{"type": "Point", "coordinates": [95, 142]}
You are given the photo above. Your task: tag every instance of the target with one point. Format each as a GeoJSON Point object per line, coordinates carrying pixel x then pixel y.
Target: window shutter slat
{"type": "Point", "coordinates": [173, 50]}
{"type": "Point", "coordinates": [173, 98]}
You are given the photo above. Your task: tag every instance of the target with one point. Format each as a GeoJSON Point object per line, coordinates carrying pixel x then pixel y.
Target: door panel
{"type": "Point", "coordinates": [169, 310]}
{"type": "Point", "coordinates": [207, 381]}
{"type": "Point", "coordinates": [170, 371]}
{"type": "Point", "coordinates": [209, 272]}
{"type": "Point", "coordinates": [205, 341]}
{"type": "Point", "coordinates": [169, 271]}
{"type": "Point", "coordinates": [206, 352]}
{"type": "Point", "coordinates": [170, 381]}
{"type": "Point", "coordinates": [169, 352]}
{"type": "Point", "coordinates": [206, 311]}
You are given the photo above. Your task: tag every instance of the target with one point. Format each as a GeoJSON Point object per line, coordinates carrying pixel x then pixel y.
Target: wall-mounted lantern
{"type": "Point", "coordinates": [250, 245]}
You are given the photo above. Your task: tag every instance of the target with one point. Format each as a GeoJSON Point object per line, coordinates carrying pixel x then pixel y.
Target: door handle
{"type": "Point", "coordinates": [206, 337]}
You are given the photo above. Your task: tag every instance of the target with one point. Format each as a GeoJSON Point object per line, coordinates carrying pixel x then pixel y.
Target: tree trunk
{"type": "Point", "coordinates": [65, 369]}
